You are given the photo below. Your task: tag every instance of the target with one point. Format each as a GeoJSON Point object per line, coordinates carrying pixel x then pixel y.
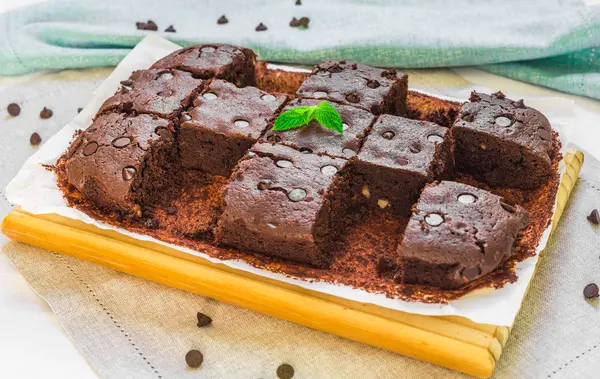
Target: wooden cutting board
{"type": "Point", "coordinates": [453, 342]}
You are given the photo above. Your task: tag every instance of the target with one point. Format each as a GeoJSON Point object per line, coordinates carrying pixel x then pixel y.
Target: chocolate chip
{"type": "Point", "coordinates": [414, 147]}
{"type": "Point", "coordinates": [46, 113]}
{"type": "Point", "coordinates": [171, 210]}
{"type": "Point", "coordinates": [274, 138]}
{"type": "Point", "coordinates": [304, 22]}
{"type": "Point", "coordinates": [466, 198]}
{"type": "Point", "coordinates": [222, 20]}
{"type": "Point", "coordinates": [121, 142]}
{"type": "Point", "coordinates": [388, 135]}
{"type": "Point", "coordinates": [128, 173]}
{"type": "Point", "coordinates": [194, 358]}
{"type": "Point", "coordinates": [283, 163]}
{"type": "Point", "coordinates": [319, 94]}
{"type": "Point", "coordinates": [264, 184]}
{"type": "Point", "coordinates": [185, 117]}
{"type": "Point", "coordinates": [294, 23]}
{"type": "Point", "coordinates": [13, 109]}
{"type": "Point", "coordinates": [268, 97]}
{"type": "Point", "coordinates": [474, 97]}
{"type": "Point", "coordinates": [435, 138]}
{"type": "Point", "coordinates": [373, 84]}
{"type": "Point", "coordinates": [297, 194]}
{"type": "Point", "coordinates": [90, 148]}
{"type": "Point", "coordinates": [402, 161]}
{"type": "Point", "coordinates": [261, 27]}
{"type": "Point", "coordinates": [507, 207]}
{"type": "Point", "coordinates": [272, 226]}
{"type": "Point", "coordinates": [203, 320]}
{"type": "Point", "coordinates": [285, 371]}
{"type": "Point", "coordinates": [79, 110]}
{"type": "Point", "coordinates": [127, 83]}
{"type": "Point", "coordinates": [498, 95]}
{"type": "Point", "coordinates": [503, 121]}
{"type": "Point", "coordinates": [544, 134]}
{"type": "Point", "coordinates": [434, 219]}
{"type": "Point", "coordinates": [170, 29]}
{"type": "Point", "coordinates": [594, 217]}
{"type": "Point", "coordinates": [151, 25]}
{"type": "Point", "coordinates": [298, 2]}
{"type": "Point", "coordinates": [241, 123]}
{"type": "Point", "coordinates": [519, 104]}
{"type": "Point", "coordinates": [329, 170]}
{"type": "Point", "coordinates": [470, 273]}
{"type": "Point", "coordinates": [209, 96]}
{"type": "Point", "coordinates": [352, 98]}
{"type": "Point", "coordinates": [348, 152]}
{"type": "Point", "coordinates": [590, 291]}
{"type": "Point", "coordinates": [35, 139]}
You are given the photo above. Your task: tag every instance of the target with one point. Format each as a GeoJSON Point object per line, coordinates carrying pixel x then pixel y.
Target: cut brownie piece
{"type": "Point", "coordinates": [503, 142]}
{"type": "Point", "coordinates": [224, 123]}
{"type": "Point", "coordinates": [457, 233]}
{"type": "Point", "coordinates": [286, 204]}
{"type": "Point", "coordinates": [121, 161]}
{"type": "Point", "coordinates": [376, 90]}
{"type": "Point", "coordinates": [316, 138]}
{"type": "Point", "coordinates": [160, 92]}
{"type": "Point", "coordinates": [399, 157]}
{"type": "Point", "coordinates": [232, 63]}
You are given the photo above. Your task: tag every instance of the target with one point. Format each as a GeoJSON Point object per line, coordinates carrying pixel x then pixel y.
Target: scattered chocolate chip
{"type": "Point", "coordinates": [90, 148]}
{"type": "Point", "coordinates": [13, 109]}
{"type": "Point", "coordinates": [414, 147]}
{"type": "Point", "coordinates": [594, 217]}
{"type": "Point", "coordinates": [283, 163]}
{"type": "Point", "coordinates": [194, 358]}
{"type": "Point", "coordinates": [79, 110]}
{"type": "Point", "coordinates": [241, 123]}
{"type": "Point", "coordinates": [35, 139]}
{"type": "Point", "coordinates": [519, 104]}
{"type": "Point", "coordinates": [261, 27]}
{"type": "Point", "coordinates": [329, 170]}
{"type": "Point", "coordinates": [503, 121]}
{"type": "Point", "coordinates": [222, 20]}
{"type": "Point", "coordinates": [402, 161]}
{"type": "Point", "coordinates": [209, 96]}
{"type": "Point", "coordinates": [498, 95]}
{"type": "Point", "coordinates": [590, 291]}
{"type": "Point", "coordinates": [150, 25]}
{"type": "Point", "coordinates": [474, 97]}
{"type": "Point", "coordinates": [203, 320]}
{"type": "Point", "coordinates": [470, 273]}
{"type": "Point", "coordinates": [294, 23]}
{"type": "Point", "coordinates": [507, 207]}
{"type": "Point", "coordinates": [268, 97]}
{"type": "Point", "coordinates": [126, 83]}
{"type": "Point", "coordinates": [466, 198]}
{"type": "Point", "coordinates": [352, 98]}
{"type": "Point", "coordinates": [264, 184]}
{"type": "Point", "coordinates": [297, 194]}
{"type": "Point", "coordinates": [373, 84]}
{"type": "Point", "coordinates": [285, 371]}
{"type": "Point", "coordinates": [121, 142]}
{"type": "Point", "coordinates": [544, 134]}
{"type": "Point", "coordinates": [434, 219]}
{"type": "Point", "coordinates": [128, 173]}
{"type": "Point", "coordinates": [274, 138]}
{"type": "Point", "coordinates": [298, 2]}
{"type": "Point", "coordinates": [171, 210]}
{"type": "Point", "coordinates": [304, 22]}
{"type": "Point", "coordinates": [46, 113]}
{"type": "Point", "coordinates": [170, 29]}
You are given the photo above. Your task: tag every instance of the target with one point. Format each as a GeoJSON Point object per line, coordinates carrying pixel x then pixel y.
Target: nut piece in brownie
{"type": "Point", "coordinates": [160, 92]}
{"type": "Point", "coordinates": [373, 89]}
{"type": "Point", "coordinates": [232, 63]}
{"type": "Point", "coordinates": [457, 233]}
{"type": "Point", "coordinates": [121, 161]}
{"type": "Point", "coordinates": [285, 204]}
{"type": "Point", "coordinates": [318, 139]}
{"type": "Point", "coordinates": [503, 142]}
{"type": "Point", "coordinates": [399, 157]}
{"type": "Point", "coordinates": [224, 123]}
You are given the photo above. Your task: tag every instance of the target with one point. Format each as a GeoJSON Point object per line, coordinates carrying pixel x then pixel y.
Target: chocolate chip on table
{"type": "Point", "coordinates": [261, 27]}
{"type": "Point", "coordinates": [194, 358]}
{"type": "Point", "coordinates": [203, 320]}
{"type": "Point", "coordinates": [35, 139]}
{"type": "Point", "coordinates": [171, 210]}
{"type": "Point", "coordinates": [285, 371]}
{"type": "Point", "coordinates": [150, 25]}
{"type": "Point", "coordinates": [79, 110]}
{"type": "Point", "coordinates": [590, 291]}
{"type": "Point", "coordinates": [46, 113]}
{"type": "Point", "coordinates": [128, 173]}
{"type": "Point", "coordinates": [170, 29]}
{"type": "Point", "coordinates": [304, 22]}
{"type": "Point", "coordinates": [222, 20]}
{"type": "Point", "coordinates": [90, 148]}
{"type": "Point", "coordinates": [594, 217]}
{"type": "Point", "coordinates": [294, 23]}
{"type": "Point", "coordinates": [13, 109]}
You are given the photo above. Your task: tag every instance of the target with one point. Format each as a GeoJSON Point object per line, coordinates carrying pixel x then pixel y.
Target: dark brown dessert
{"type": "Point", "coordinates": [399, 157]}
{"type": "Point", "coordinates": [285, 203]}
{"type": "Point", "coordinates": [224, 122]}
{"type": "Point", "coordinates": [315, 138]}
{"type": "Point", "coordinates": [232, 63]}
{"type": "Point", "coordinates": [503, 142]}
{"type": "Point", "coordinates": [458, 233]}
{"type": "Point", "coordinates": [373, 89]}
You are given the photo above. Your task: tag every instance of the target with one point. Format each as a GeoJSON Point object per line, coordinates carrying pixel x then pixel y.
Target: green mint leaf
{"type": "Point", "coordinates": [329, 117]}
{"type": "Point", "coordinates": [294, 118]}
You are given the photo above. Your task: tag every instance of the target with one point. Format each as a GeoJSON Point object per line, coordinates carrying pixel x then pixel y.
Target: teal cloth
{"type": "Point", "coordinates": [545, 42]}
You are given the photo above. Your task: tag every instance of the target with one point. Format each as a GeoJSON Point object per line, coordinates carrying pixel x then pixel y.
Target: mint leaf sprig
{"type": "Point", "coordinates": [298, 117]}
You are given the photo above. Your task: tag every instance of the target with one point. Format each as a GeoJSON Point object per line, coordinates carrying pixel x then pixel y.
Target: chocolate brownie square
{"type": "Point", "coordinates": [316, 138]}
{"type": "Point", "coordinates": [224, 123]}
{"type": "Point", "coordinates": [121, 161]}
{"type": "Point", "coordinates": [373, 89]}
{"type": "Point", "coordinates": [161, 92]}
{"type": "Point", "coordinates": [457, 233]}
{"type": "Point", "coordinates": [503, 142]}
{"type": "Point", "coordinates": [232, 63]}
{"type": "Point", "coordinates": [285, 204]}
{"type": "Point", "coordinates": [399, 157]}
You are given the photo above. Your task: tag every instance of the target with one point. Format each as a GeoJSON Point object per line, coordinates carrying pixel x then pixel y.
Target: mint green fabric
{"type": "Point", "coordinates": [545, 42]}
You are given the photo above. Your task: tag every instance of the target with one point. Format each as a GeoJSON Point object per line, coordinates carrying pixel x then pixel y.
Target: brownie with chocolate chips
{"type": "Point", "coordinates": [375, 90]}
{"type": "Point", "coordinates": [222, 125]}
{"type": "Point", "coordinates": [503, 142]}
{"type": "Point", "coordinates": [161, 92]}
{"type": "Point", "coordinates": [398, 158]}
{"type": "Point", "coordinates": [318, 139]}
{"type": "Point", "coordinates": [121, 161]}
{"type": "Point", "coordinates": [287, 204]}
{"type": "Point", "coordinates": [232, 63]}
{"type": "Point", "coordinates": [457, 233]}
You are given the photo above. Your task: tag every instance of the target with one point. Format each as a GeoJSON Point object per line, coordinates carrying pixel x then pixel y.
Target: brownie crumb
{"type": "Point", "coordinates": [285, 371]}
{"type": "Point", "coordinates": [150, 25]}
{"type": "Point", "coordinates": [170, 29]}
{"type": "Point", "coordinates": [294, 23]}
{"type": "Point", "coordinates": [222, 20]}
{"type": "Point", "coordinates": [298, 2]}
{"type": "Point", "coordinates": [261, 27]}
{"type": "Point", "coordinates": [590, 291]}
{"type": "Point", "coordinates": [79, 110]}
{"type": "Point", "coordinates": [35, 139]}
{"type": "Point", "coordinates": [304, 22]}
{"type": "Point", "coordinates": [46, 113]}
{"type": "Point", "coordinates": [13, 109]}
{"type": "Point", "coordinates": [203, 320]}
{"type": "Point", "coordinates": [194, 358]}
{"type": "Point", "coordinates": [594, 217]}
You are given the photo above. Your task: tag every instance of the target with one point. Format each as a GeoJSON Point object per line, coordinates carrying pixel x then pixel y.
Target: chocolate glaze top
{"type": "Point", "coordinates": [458, 224]}
{"type": "Point", "coordinates": [510, 120]}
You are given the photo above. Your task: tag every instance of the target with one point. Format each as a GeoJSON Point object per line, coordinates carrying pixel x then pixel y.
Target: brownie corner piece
{"type": "Point", "coordinates": [286, 204]}
{"type": "Point", "coordinates": [373, 89]}
{"type": "Point", "coordinates": [456, 234]}
{"type": "Point", "coordinates": [503, 142]}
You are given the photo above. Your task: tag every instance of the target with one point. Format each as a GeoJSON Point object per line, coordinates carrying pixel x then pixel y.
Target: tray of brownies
{"type": "Point", "coordinates": [335, 197]}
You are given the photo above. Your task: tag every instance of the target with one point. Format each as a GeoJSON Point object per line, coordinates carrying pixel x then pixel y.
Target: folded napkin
{"type": "Point", "coordinates": [546, 42]}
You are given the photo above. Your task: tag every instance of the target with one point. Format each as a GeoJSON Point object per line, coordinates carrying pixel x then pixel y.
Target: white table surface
{"type": "Point", "coordinates": [33, 344]}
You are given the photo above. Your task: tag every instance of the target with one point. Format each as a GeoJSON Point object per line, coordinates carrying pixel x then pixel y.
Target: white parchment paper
{"type": "Point", "coordinates": [35, 190]}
